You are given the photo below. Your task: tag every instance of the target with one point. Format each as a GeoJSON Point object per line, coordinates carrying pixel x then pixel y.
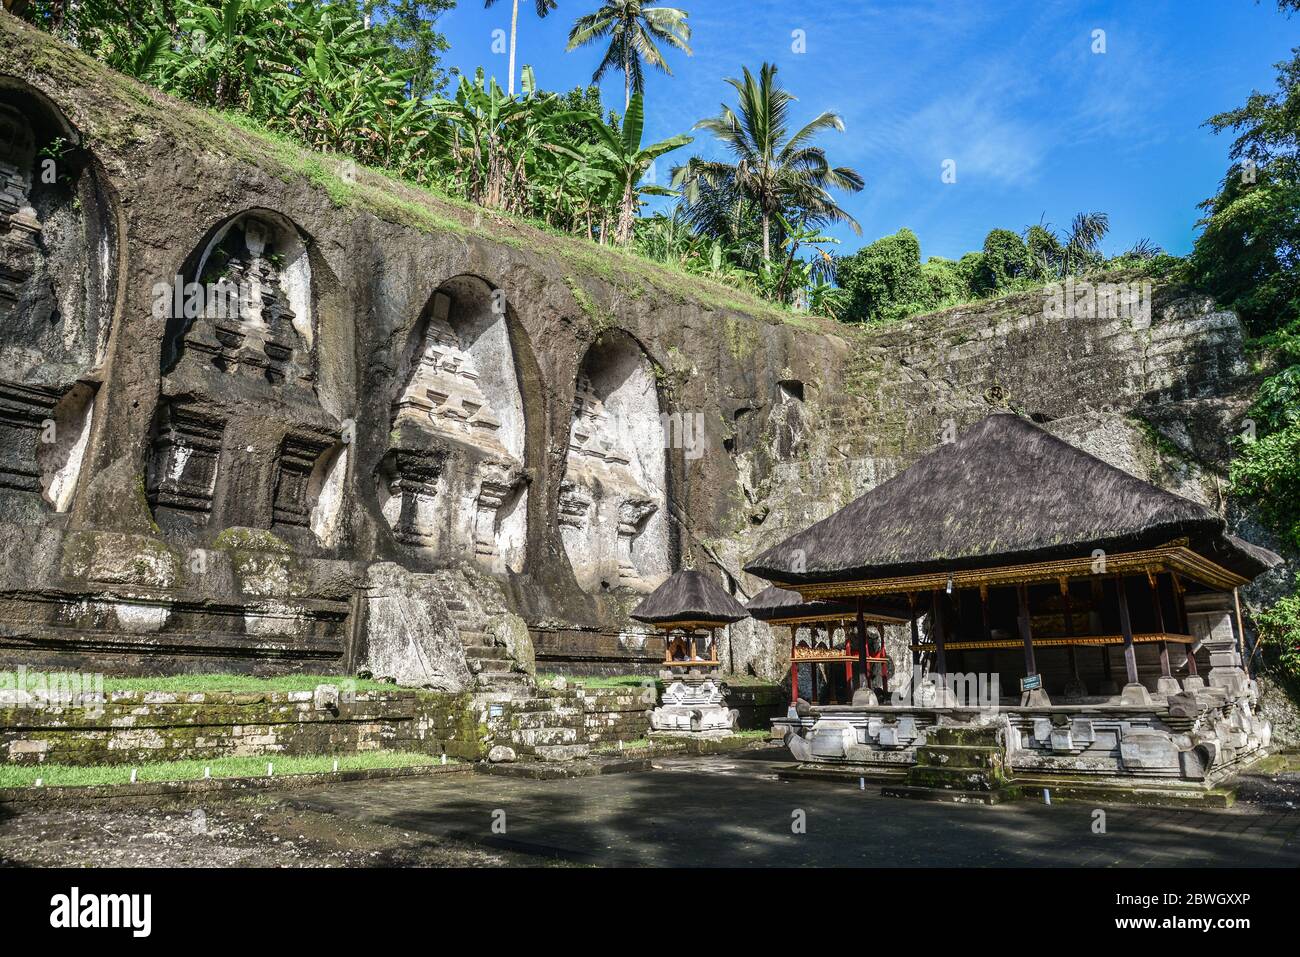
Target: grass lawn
{"type": "Point", "coordinates": [181, 684]}
{"type": "Point", "coordinates": [56, 775]}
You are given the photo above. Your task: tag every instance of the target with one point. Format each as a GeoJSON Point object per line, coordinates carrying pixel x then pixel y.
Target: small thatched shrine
{"type": "Point", "coordinates": [690, 607]}
{"type": "Point", "coordinates": [1028, 566]}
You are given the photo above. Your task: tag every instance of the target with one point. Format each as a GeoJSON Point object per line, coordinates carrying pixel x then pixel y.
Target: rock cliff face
{"type": "Point", "coordinates": [258, 408]}
{"type": "Point", "coordinates": [245, 388]}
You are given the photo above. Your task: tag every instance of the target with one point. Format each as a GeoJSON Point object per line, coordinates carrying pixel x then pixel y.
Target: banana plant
{"type": "Point", "coordinates": [495, 136]}
{"type": "Point", "coordinates": [627, 160]}
{"type": "Point", "coordinates": [233, 48]}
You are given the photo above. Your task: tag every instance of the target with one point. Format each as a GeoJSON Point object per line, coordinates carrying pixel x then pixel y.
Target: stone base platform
{"type": "Point", "coordinates": [950, 795]}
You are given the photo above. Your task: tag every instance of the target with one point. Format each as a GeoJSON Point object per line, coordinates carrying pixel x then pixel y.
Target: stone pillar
{"type": "Point", "coordinates": [1209, 617]}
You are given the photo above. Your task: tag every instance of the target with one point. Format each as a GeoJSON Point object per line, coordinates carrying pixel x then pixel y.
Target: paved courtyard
{"type": "Point", "coordinates": [723, 811]}
{"type": "Point", "coordinates": [732, 811]}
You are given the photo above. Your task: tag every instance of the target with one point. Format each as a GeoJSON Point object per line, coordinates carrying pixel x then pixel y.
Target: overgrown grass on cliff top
{"type": "Point", "coordinates": [423, 207]}
{"type": "Point", "coordinates": [192, 684]}
{"type": "Point", "coordinates": [148, 115]}
{"type": "Point", "coordinates": [64, 775]}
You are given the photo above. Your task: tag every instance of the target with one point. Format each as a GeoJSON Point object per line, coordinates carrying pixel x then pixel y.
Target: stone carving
{"type": "Point", "coordinates": [247, 325]}
{"type": "Point", "coordinates": [183, 467]}
{"type": "Point", "coordinates": [299, 454]}
{"type": "Point", "coordinates": [450, 449]}
{"type": "Point", "coordinates": [241, 432]}
{"type": "Point", "coordinates": [443, 391]}
{"type": "Point", "coordinates": [19, 225]}
{"type": "Point", "coordinates": [611, 495]}
{"type": "Point", "coordinates": [412, 485]}
{"type": "Point", "coordinates": [694, 704]}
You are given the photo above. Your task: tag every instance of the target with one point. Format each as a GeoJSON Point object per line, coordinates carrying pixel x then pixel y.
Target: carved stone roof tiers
{"type": "Point", "coordinates": [1006, 492]}
{"type": "Point", "coordinates": [689, 598]}
{"type": "Point", "coordinates": [443, 394]}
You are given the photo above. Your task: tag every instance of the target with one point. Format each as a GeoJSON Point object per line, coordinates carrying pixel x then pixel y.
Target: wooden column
{"type": "Point", "coordinates": [1068, 601]}
{"type": "Point", "coordinates": [1154, 582]}
{"type": "Point", "coordinates": [812, 665]}
{"type": "Point", "coordinates": [1126, 626]}
{"type": "Point", "coordinates": [1184, 626]}
{"type": "Point", "coordinates": [1026, 632]}
{"type": "Point", "coordinates": [1098, 592]}
{"type": "Point", "coordinates": [848, 665]}
{"type": "Point", "coordinates": [884, 658]}
{"type": "Point", "coordinates": [916, 637]}
{"type": "Point", "coordinates": [794, 665]}
{"type": "Point", "coordinates": [987, 624]}
{"type": "Point", "coordinates": [937, 620]}
{"type": "Point", "coordinates": [864, 675]}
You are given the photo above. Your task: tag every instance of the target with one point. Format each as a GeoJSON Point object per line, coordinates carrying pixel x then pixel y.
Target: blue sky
{"type": "Point", "coordinates": [1038, 125]}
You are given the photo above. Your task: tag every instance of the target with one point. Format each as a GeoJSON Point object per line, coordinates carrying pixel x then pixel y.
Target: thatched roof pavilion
{"type": "Point", "coordinates": [1007, 492]}
{"type": "Point", "coordinates": [689, 599]}
{"type": "Point", "coordinates": [1010, 537]}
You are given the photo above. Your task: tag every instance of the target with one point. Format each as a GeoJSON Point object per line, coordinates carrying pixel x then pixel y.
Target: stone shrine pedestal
{"type": "Point", "coordinates": [693, 704]}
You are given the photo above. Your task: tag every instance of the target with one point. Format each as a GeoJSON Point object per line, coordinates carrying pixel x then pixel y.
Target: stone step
{"type": "Point", "coordinates": [560, 752]}
{"type": "Point", "coordinates": [485, 652]}
{"type": "Point", "coordinates": [502, 679]}
{"type": "Point", "coordinates": [534, 738]}
{"type": "Point", "coordinates": [958, 756]}
{"type": "Point", "coordinates": [954, 796]}
{"type": "Point", "coordinates": [546, 719]}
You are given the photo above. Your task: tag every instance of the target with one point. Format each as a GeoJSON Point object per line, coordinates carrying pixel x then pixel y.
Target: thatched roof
{"type": "Point", "coordinates": [689, 597]}
{"type": "Point", "coordinates": [1006, 492]}
{"type": "Point", "coordinates": [774, 603]}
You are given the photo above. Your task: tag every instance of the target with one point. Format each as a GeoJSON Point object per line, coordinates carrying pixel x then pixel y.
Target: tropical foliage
{"type": "Point", "coordinates": [1248, 257]}
{"type": "Point", "coordinates": [887, 280]}
{"type": "Point", "coordinates": [631, 29]}
{"type": "Point", "coordinates": [779, 173]}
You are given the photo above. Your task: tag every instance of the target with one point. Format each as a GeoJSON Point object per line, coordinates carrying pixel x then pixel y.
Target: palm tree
{"type": "Point", "coordinates": [632, 31]}
{"type": "Point", "coordinates": [780, 173]}
{"type": "Point", "coordinates": [543, 8]}
{"type": "Point", "coordinates": [1083, 241]}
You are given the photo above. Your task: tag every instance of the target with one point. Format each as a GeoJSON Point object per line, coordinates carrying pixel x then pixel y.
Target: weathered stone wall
{"type": "Point", "coordinates": [133, 727]}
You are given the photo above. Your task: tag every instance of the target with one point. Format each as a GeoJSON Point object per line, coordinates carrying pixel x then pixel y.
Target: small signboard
{"type": "Point", "coordinates": [1031, 683]}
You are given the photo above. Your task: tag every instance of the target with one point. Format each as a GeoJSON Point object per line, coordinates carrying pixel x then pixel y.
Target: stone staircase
{"type": "Point", "coordinates": [962, 765]}
{"type": "Point", "coordinates": [490, 663]}
{"type": "Point", "coordinates": [536, 725]}
{"type": "Point", "coordinates": [542, 728]}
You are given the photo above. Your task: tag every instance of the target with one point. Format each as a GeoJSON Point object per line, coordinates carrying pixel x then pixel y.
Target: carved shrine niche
{"type": "Point", "coordinates": [242, 438]}
{"type": "Point", "coordinates": [612, 508]}
{"type": "Point", "coordinates": [453, 480]}
{"type": "Point", "coordinates": [57, 250]}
